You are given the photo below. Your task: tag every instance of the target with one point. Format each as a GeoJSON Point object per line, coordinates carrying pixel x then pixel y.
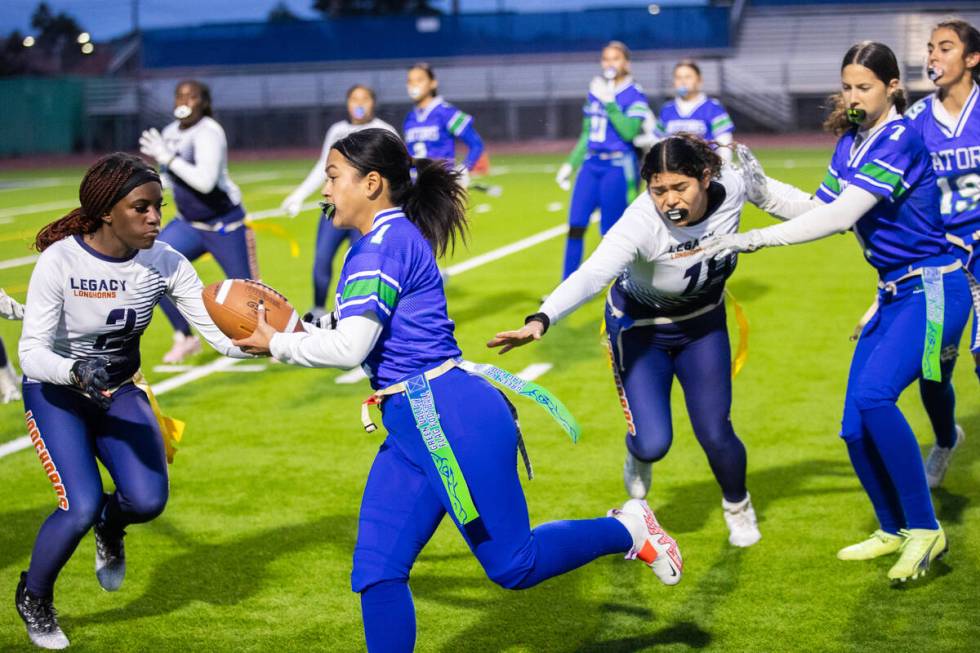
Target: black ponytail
{"type": "Point", "coordinates": [685, 154]}
{"type": "Point", "coordinates": [879, 59]}
{"type": "Point", "coordinates": [428, 191]}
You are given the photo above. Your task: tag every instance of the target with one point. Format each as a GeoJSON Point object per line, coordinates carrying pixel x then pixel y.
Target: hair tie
{"type": "Point", "coordinates": [413, 174]}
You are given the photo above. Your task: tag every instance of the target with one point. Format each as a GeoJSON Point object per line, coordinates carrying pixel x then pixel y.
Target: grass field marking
{"type": "Point", "coordinates": [542, 169]}
{"type": "Point", "coordinates": [534, 370]}
{"type": "Point", "coordinates": [17, 262]}
{"type": "Point", "coordinates": [172, 369]}
{"type": "Point", "coordinates": [14, 446]}
{"type": "Point", "coordinates": [26, 184]}
{"type": "Point", "coordinates": [279, 213]}
{"type": "Point", "coordinates": [17, 211]}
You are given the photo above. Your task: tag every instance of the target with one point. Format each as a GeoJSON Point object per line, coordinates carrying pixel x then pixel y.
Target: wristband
{"type": "Point", "coordinates": [540, 317]}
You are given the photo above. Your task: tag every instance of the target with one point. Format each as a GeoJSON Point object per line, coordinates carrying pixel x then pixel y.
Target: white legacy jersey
{"type": "Point", "coordinates": [657, 264]}
{"type": "Point", "coordinates": [82, 304]}
{"type": "Point", "coordinates": [199, 175]}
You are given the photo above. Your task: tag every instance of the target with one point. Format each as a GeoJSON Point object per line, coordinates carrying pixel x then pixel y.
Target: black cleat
{"type": "Point", "coordinates": [40, 618]}
{"type": "Point", "coordinates": [110, 557]}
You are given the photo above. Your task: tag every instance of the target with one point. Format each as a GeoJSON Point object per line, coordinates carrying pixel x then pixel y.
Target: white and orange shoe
{"type": "Point", "coordinates": [651, 543]}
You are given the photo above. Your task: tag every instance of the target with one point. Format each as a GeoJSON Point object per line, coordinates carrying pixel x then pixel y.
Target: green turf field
{"type": "Point", "coordinates": [254, 550]}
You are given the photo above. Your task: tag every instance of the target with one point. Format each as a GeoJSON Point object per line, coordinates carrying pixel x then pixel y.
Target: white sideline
{"type": "Point", "coordinates": [37, 208]}
{"type": "Point", "coordinates": [17, 262]}
{"type": "Point", "coordinates": [353, 376]}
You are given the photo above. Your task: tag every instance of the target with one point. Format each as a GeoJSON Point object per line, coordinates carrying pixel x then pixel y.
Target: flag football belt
{"type": "Point", "coordinates": [962, 244]}
{"type": "Point", "coordinates": [932, 284]}
{"type": "Point", "coordinates": [419, 394]}
{"type": "Point", "coordinates": [220, 226]}
{"type": "Point", "coordinates": [171, 429]}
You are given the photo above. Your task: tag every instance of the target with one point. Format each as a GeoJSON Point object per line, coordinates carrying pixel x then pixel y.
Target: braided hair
{"type": "Point", "coordinates": [109, 180]}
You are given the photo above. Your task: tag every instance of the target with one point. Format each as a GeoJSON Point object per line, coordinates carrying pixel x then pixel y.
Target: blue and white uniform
{"type": "Point", "coordinates": [329, 238]}
{"type": "Point", "coordinates": [665, 317]}
{"type": "Point", "coordinates": [608, 177]}
{"type": "Point", "coordinates": [701, 115]}
{"type": "Point", "coordinates": [390, 277]}
{"type": "Point", "coordinates": [210, 216]}
{"type": "Point", "coordinates": [954, 144]}
{"type": "Point", "coordinates": [923, 306]}
{"type": "Point", "coordinates": [431, 133]}
{"type": "Point", "coordinates": [82, 304]}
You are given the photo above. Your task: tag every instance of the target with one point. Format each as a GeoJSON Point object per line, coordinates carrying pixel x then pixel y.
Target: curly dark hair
{"type": "Point", "coordinates": [685, 154]}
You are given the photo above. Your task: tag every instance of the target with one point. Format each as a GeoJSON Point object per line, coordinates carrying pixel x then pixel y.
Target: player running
{"type": "Point", "coordinates": [193, 155]}
{"type": "Point", "coordinates": [880, 183]}
{"type": "Point", "coordinates": [360, 110]}
{"type": "Point", "coordinates": [452, 437]}
{"type": "Point", "coordinates": [432, 127]}
{"type": "Point", "coordinates": [692, 112]}
{"type": "Point", "coordinates": [949, 123]}
{"type": "Point", "coordinates": [615, 110]}
{"type": "Point", "coordinates": [665, 317]}
{"type": "Point", "coordinates": [91, 296]}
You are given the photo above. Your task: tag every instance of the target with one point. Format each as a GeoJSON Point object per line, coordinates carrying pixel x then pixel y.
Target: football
{"type": "Point", "coordinates": [233, 304]}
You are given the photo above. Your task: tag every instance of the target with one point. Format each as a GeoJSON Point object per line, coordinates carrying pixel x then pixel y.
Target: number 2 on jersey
{"type": "Point", "coordinates": [115, 338]}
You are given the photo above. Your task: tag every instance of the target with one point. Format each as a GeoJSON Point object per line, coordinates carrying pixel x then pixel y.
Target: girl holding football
{"type": "Point", "coordinates": [452, 437]}
{"type": "Point", "coordinates": [92, 293]}
{"type": "Point", "coordinates": [880, 183]}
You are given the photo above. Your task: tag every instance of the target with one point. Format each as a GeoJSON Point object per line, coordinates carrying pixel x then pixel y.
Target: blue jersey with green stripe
{"type": "Point", "coordinates": [707, 119]}
{"type": "Point", "coordinates": [891, 162]}
{"type": "Point", "coordinates": [603, 137]}
{"type": "Point", "coordinates": [431, 133]}
{"type": "Point", "coordinates": [954, 144]}
{"type": "Point", "coordinates": [391, 272]}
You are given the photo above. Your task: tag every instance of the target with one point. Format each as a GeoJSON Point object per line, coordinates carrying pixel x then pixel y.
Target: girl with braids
{"type": "Point", "coordinates": [91, 296]}
{"type": "Point", "coordinates": [949, 123]}
{"type": "Point", "coordinates": [192, 153]}
{"type": "Point", "coordinates": [665, 316]}
{"type": "Point", "coordinates": [452, 438]}
{"type": "Point", "coordinates": [881, 184]}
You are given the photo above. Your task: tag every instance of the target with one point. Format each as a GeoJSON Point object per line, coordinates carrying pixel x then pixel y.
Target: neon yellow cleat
{"type": "Point", "coordinates": [879, 544]}
{"type": "Point", "coordinates": [920, 548]}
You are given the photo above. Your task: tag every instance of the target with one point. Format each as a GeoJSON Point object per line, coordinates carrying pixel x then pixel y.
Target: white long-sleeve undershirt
{"type": "Point", "coordinates": [203, 174]}
{"type": "Point", "coordinates": [786, 201]}
{"type": "Point", "coordinates": [821, 221]}
{"type": "Point", "coordinates": [345, 346]}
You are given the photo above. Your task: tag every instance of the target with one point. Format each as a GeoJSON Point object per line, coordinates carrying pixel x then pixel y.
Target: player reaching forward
{"type": "Point", "coordinates": [452, 437]}
{"type": "Point", "coordinates": [949, 123]}
{"type": "Point", "coordinates": [91, 296]}
{"type": "Point", "coordinates": [360, 109]}
{"type": "Point", "coordinates": [880, 183]}
{"type": "Point", "coordinates": [615, 110]}
{"type": "Point", "coordinates": [193, 157]}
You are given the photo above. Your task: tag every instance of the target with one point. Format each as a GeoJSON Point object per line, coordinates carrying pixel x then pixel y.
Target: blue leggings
{"type": "Point", "coordinates": [887, 359]}
{"type": "Point", "coordinates": [938, 397]}
{"type": "Point", "coordinates": [647, 358]}
{"type": "Point", "coordinates": [233, 250]}
{"type": "Point", "coordinates": [70, 433]}
{"type": "Point", "coordinates": [606, 184]}
{"type": "Point", "coordinates": [328, 240]}
{"type": "Point", "coordinates": [404, 501]}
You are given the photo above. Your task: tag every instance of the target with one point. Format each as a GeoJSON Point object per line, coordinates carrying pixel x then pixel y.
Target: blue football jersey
{"type": "Point", "coordinates": [708, 119]}
{"type": "Point", "coordinates": [431, 132]}
{"type": "Point", "coordinates": [892, 162]}
{"type": "Point", "coordinates": [391, 272]}
{"type": "Point", "coordinates": [955, 149]}
{"type": "Point", "coordinates": [603, 137]}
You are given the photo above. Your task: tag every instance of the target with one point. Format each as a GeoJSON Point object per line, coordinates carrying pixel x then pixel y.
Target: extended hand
{"type": "Point", "coordinates": [257, 344]}
{"type": "Point", "coordinates": [564, 176]}
{"type": "Point", "coordinates": [756, 186]}
{"type": "Point", "coordinates": [727, 244]}
{"type": "Point", "coordinates": [602, 90]}
{"type": "Point", "coordinates": [507, 340]}
{"type": "Point", "coordinates": [291, 206]}
{"type": "Point", "coordinates": [153, 145]}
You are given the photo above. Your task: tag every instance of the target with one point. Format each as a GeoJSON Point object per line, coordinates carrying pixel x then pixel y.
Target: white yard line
{"type": "Point", "coordinates": [534, 370]}
{"type": "Point", "coordinates": [17, 262]}
{"type": "Point", "coordinates": [17, 211]}
{"type": "Point", "coordinates": [351, 376]}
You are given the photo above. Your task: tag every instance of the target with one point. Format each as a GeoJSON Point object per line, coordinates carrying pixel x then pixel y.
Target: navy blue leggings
{"type": "Point", "coordinates": [404, 501]}
{"type": "Point", "coordinates": [70, 433]}
{"type": "Point", "coordinates": [233, 250]}
{"type": "Point", "coordinates": [698, 353]}
{"type": "Point", "coordinates": [328, 240]}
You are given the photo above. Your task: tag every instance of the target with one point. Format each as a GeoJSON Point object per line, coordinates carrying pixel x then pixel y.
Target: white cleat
{"type": "Point", "coordinates": [651, 543]}
{"type": "Point", "coordinates": [9, 384]}
{"type": "Point", "coordinates": [938, 461]}
{"type": "Point", "coordinates": [183, 347]}
{"type": "Point", "coordinates": [636, 476]}
{"type": "Point", "coordinates": [40, 618]}
{"type": "Point", "coordinates": [743, 528]}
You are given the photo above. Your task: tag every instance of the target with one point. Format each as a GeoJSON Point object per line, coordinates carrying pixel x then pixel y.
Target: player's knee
{"type": "Point", "coordinates": [82, 513]}
{"type": "Point", "coordinates": [717, 437]}
{"type": "Point", "coordinates": [576, 233]}
{"type": "Point", "coordinates": [648, 448]}
{"type": "Point", "coordinates": [145, 505]}
{"type": "Point", "coordinates": [873, 395]}
{"type": "Point", "coordinates": [510, 577]}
